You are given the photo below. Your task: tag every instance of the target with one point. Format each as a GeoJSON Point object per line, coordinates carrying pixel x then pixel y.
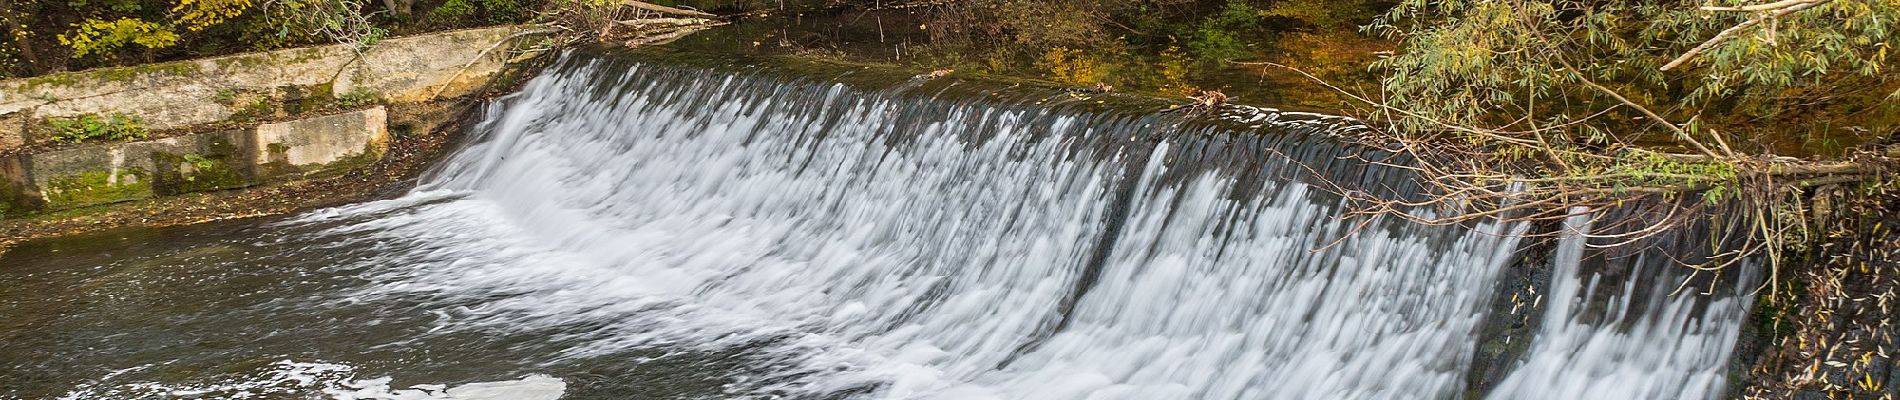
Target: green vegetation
{"type": "Point", "coordinates": [88, 127]}
{"type": "Point", "coordinates": [225, 96]}
{"type": "Point", "coordinates": [1592, 103]}
{"type": "Point", "coordinates": [357, 98]}
{"type": "Point", "coordinates": [190, 173]}
{"type": "Point", "coordinates": [1166, 47]}
{"type": "Point", "coordinates": [1522, 64]}
{"type": "Point", "coordinates": [486, 11]}
{"type": "Point", "coordinates": [97, 187]}
{"type": "Point", "coordinates": [43, 36]}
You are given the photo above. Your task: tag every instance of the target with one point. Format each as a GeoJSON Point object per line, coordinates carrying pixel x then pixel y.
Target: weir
{"type": "Point", "coordinates": [942, 239]}
{"type": "Point", "coordinates": [919, 243]}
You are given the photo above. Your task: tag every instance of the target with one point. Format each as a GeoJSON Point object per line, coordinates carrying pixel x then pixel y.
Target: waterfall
{"type": "Point", "coordinates": [1633, 341]}
{"type": "Point", "coordinates": [925, 241]}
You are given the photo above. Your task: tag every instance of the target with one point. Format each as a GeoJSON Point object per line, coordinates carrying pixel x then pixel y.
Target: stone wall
{"type": "Point", "coordinates": [114, 172]}
{"type": "Point", "coordinates": [255, 86]}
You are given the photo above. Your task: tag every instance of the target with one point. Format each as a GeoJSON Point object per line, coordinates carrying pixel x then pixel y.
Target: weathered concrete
{"type": "Point", "coordinates": [314, 143]}
{"type": "Point", "coordinates": [16, 193]}
{"type": "Point", "coordinates": [192, 92]}
{"type": "Point", "coordinates": [12, 130]}
{"type": "Point", "coordinates": [113, 172]}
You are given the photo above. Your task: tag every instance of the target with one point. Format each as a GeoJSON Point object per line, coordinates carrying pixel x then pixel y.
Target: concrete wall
{"type": "Point", "coordinates": [113, 172]}
{"type": "Point", "coordinates": [209, 97]}
{"type": "Point", "coordinates": [193, 92]}
{"type": "Point", "coordinates": [313, 143]}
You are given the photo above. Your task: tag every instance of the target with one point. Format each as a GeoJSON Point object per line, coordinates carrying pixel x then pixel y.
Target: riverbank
{"type": "Point", "coordinates": [430, 130]}
{"type": "Point", "coordinates": [242, 135]}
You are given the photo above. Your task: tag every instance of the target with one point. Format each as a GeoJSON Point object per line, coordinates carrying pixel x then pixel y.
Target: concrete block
{"type": "Point", "coordinates": [90, 175]}
{"type": "Point", "coordinates": [114, 172]}
{"type": "Point", "coordinates": [322, 143]}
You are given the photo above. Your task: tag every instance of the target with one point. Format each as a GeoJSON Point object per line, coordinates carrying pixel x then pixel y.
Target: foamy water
{"type": "Point", "coordinates": [885, 245]}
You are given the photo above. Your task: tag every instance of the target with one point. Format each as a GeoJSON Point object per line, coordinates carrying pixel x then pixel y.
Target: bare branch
{"type": "Point", "coordinates": [665, 10]}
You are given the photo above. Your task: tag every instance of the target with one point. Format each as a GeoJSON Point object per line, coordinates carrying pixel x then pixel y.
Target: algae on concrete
{"type": "Point", "coordinates": [97, 187]}
{"type": "Point", "coordinates": [187, 173]}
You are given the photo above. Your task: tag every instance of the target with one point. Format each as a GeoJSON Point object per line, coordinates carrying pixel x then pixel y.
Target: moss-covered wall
{"type": "Point", "coordinates": [85, 188]}
{"type": "Point", "coordinates": [258, 86]}
{"type": "Point", "coordinates": [103, 173]}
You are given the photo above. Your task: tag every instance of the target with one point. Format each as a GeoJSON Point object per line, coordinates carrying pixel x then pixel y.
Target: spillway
{"type": "Point", "coordinates": [761, 235]}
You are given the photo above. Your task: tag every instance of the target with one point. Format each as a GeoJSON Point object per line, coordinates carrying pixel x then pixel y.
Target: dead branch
{"type": "Point", "coordinates": [484, 53]}
{"type": "Point", "coordinates": [1779, 5]}
{"type": "Point", "coordinates": [665, 10]}
{"type": "Point", "coordinates": [667, 35]}
{"type": "Point", "coordinates": [663, 22]}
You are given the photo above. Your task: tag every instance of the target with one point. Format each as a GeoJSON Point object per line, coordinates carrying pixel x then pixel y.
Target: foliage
{"type": "Point", "coordinates": [121, 25]}
{"type": "Point", "coordinates": [1163, 46]}
{"type": "Point", "coordinates": [1172, 69]}
{"type": "Point", "coordinates": [103, 37]}
{"type": "Point", "coordinates": [490, 11]}
{"type": "Point", "coordinates": [196, 15]}
{"type": "Point", "coordinates": [1535, 107]}
{"type": "Point", "coordinates": [1537, 60]}
{"type": "Point", "coordinates": [1218, 36]}
{"type": "Point", "coordinates": [1071, 66]}
{"type": "Point", "coordinates": [114, 5]}
{"type": "Point", "coordinates": [94, 127]}
{"type": "Point", "coordinates": [1030, 24]}
{"type": "Point", "coordinates": [1321, 14]}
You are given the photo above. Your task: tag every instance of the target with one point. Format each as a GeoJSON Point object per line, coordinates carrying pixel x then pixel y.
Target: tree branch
{"type": "Point", "coordinates": [664, 9]}
{"type": "Point", "coordinates": [1738, 28]}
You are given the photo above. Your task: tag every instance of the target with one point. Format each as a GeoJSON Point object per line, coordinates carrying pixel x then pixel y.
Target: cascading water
{"type": "Point", "coordinates": [917, 244]}
{"type": "Point", "coordinates": [1607, 338]}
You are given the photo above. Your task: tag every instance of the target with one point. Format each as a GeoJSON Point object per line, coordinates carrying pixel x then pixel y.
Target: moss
{"type": "Point", "coordinates": [187, 173]}
{"type": "Point", "coordinates": [307, 54]}
{"type": "Point", "coordinates": [246, 61]}
{"type": "Point", "coordinates": [58, 80]}
{"type": "Point", "coordinates": [97, 187]}
{"type": "Point", "coordinates": [300, 99]}
{"type": "Point", "coordinates": [127, 74]}
{"type": "Point", "coordinates": [258, 109]}
{"type": "Point", "coordinates": [225, 97]}
{"type": "Point", "coordinates": [277, 149]}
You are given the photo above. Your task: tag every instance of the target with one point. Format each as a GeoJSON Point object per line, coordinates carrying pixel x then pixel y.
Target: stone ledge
{"type": "Point", "coordinates": [114, 172]}
{"type": "Point", "coordinates": [181, 94]}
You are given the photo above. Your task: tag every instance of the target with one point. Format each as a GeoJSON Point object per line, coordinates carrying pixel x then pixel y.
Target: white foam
{"type": "Point", "coordinates": [304, 379]}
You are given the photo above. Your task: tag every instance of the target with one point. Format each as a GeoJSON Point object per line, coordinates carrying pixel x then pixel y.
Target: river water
{"type": "Point", "coordinates": [627, 229]}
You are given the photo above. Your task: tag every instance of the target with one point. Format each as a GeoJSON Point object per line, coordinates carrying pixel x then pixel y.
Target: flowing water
{"type": "Point", "coordinates": [623, 229]}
